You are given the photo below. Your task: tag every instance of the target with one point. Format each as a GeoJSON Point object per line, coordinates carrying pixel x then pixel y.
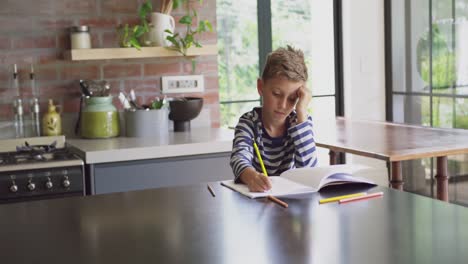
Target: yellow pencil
{"type": "Point", "coordinates": [337, 198]}
{"type": "Point", "coordinates": [260, 158]}
{"type": "Point", "coordinates": [272, 198]}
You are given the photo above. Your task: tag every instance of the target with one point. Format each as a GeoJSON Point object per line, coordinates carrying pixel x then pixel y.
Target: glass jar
{"type": "Point", "coordinates": [99, 118]}
{"type": "Point", "coordinates": [80, 37]}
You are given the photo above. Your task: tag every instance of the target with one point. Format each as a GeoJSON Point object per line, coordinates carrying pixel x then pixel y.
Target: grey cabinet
{"type": "Point", "coordinates": [154, 173]}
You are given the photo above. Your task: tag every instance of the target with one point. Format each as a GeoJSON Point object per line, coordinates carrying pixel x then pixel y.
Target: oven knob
{"type": "Point", "coordinates": [66, 182]}
{"type": "Point", "coordinates": [49, 184]}
{"type": "Point", "coordinates": [31, 186]}
{"type": "Point", "coordinates": [13, 188]}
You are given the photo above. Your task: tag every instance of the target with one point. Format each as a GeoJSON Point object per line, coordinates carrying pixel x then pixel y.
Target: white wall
{"type": "Point", "coordinates": [364, 59]}
{"type": "Point", "coordinates": [322, 68]}
{"type": "Point", "coordinates": [364, 67]}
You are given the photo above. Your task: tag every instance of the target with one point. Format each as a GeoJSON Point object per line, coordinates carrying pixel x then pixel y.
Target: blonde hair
{"type": "Point", "coordinates": [286, 62]}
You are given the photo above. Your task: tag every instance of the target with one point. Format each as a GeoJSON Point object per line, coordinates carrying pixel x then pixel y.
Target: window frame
{"type": "Point", "coordinates": [389, 92]}
{"type": "Point", "coordinates": [265, 47]}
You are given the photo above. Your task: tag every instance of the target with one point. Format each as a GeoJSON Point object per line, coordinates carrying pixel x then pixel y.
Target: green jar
{"type": "Point", "coordinates": [99, 118]}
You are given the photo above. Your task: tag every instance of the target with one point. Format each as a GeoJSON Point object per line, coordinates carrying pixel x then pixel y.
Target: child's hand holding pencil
{"type": "Point", "coordinates": [257, 182]}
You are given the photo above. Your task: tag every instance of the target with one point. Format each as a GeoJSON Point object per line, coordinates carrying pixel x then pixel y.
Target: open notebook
{"type": "Point", "coordinates": [305, 180]}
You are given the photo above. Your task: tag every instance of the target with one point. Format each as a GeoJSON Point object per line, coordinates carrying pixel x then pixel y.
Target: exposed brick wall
{"type": "Point", "coordinates": [36, 32]}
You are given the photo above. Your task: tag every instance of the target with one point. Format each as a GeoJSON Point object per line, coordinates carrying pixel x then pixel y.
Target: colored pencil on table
{"type": "Point", "coordinates": [211, 190]}
{"type": "Point", "coordinates": [277, 201]}
{"type": "Point", "coordinates": [359, 198]}
{"type": "Point", "coordinates": [337, 198]}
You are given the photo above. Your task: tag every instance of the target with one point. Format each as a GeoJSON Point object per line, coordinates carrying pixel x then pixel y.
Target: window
{"type": "Point", "coordinates": [304, 24]}
{"type": "Point", "coordinates": [429, 72]}
{"type": "Point", "coordinates": [238, 61]}
{"type": "Point", "coordinates": [308, 25]}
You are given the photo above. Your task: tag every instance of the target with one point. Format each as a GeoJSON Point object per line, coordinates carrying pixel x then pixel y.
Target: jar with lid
{"type": "Point", "coordinates": [80, 37]}
{"type": "Point", "coordinates": [99, 118]}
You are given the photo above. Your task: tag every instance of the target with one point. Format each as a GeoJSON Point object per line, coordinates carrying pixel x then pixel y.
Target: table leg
{"type": "Point", "coordinates": [333, 157]}
{"type": "Point", "coordinates": [396, 179]}
{"type": "Point", "coordinates": [389, 171]}
{"type": "Point", "coordinates": [442, 178]}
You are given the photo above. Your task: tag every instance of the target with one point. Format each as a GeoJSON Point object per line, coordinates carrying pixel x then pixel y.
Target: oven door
{"type": "Point", "coordinates": [37, 184]}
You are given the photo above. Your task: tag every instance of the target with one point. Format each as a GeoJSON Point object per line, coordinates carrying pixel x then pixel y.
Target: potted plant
{"type": "Point", "coordinates": [130, 36]}
{"type": "Point", "coordinates": [182, 42]}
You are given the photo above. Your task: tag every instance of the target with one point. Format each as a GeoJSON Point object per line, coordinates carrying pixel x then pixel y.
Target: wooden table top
{"type": "Point", "coordinates": [390, 141]}
{"type": "Point", "coordinates": [188, 225]}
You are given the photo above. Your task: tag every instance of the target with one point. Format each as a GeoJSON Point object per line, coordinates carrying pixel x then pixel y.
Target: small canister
{"type": "Point", "coordinates": [99, 118]}
{"type": "Point", "coordinates": [80, 37]}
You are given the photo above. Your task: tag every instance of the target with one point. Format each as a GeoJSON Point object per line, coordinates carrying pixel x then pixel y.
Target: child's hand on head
{"type": "Point", "coordinates": [304, 96]}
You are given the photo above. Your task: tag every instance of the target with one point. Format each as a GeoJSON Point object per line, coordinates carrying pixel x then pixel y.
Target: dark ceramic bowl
{"type": "Point", "coordinates": [183, 110]}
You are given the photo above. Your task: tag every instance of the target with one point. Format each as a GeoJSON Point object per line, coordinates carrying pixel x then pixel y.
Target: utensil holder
{"type": "Point", "coordinates": [147, 123]}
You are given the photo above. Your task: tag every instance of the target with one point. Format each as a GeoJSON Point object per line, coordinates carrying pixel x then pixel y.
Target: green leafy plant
{"type": "Point", "coordinates": [158, 103]}
{"type": "Point", "coordinates": [181, 43]}
{"type": "Point", "coordinates": [443, 60]}
{"type": "Point", "coordinates": [129, 36]}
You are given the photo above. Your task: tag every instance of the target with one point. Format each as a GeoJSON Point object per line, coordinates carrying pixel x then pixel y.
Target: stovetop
{"type": "Point", "coordinates": [35, 153]}
{"type": "Point", "coordinates": [19, 158]}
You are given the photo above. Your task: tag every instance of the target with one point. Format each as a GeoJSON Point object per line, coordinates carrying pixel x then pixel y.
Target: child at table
{"type": "Point", "coordinates": [281, 127]}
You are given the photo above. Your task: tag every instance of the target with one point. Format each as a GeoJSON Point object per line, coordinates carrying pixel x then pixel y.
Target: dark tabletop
{"type": "Point", "coordinates": [188, 225]}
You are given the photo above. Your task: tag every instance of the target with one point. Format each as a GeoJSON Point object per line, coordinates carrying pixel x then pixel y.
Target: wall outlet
{"type": "Point", "coordinates": [182, 84]}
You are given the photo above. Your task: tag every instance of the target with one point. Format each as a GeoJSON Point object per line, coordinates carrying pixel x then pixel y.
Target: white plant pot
{"type": "Point", "coordinates": [159, 23]}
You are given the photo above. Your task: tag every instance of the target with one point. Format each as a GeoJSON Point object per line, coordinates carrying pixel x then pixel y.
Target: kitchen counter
{"type": "Point", "coordinates": [198, 141]}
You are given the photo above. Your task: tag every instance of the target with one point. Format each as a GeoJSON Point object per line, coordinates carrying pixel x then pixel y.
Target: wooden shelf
{"type": "Point", "coordinates": [133, 53]}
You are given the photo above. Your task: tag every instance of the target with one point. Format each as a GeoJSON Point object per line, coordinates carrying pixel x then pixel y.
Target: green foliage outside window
{"type": "Point", "coordinates": [444, 77]}
{"type": "Point", "coordinates": [237, 58]}
{"type": "Point", "coordinates": [443, 60]}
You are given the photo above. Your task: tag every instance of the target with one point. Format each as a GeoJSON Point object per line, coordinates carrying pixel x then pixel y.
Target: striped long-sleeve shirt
{"type": "Point", "coordinates": [295, 149]}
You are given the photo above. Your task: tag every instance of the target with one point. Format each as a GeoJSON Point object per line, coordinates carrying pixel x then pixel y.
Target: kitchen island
{"type": "Point", "coordinates": [170, 159]}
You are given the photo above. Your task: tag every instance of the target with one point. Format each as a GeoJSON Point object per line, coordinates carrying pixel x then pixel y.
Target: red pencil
{"type": "Point", "coordinates": [367, 196]}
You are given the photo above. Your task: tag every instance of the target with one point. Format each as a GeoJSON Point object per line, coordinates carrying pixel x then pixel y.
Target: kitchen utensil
{"type": "Point", "coordinates": [78, 121]}
{"type": "Point", "coordinates": [131, 100]}
{"type": "Point", "coordinates": [124, 101]}
{"type": "Point", "coordinates": [84, 92]}
{"type": "Point", "coordinates": [96, 87]}
{"type": "Point", "coordinates": [106, 90]}
{"type": "Point", "coordinates": [84, 88]}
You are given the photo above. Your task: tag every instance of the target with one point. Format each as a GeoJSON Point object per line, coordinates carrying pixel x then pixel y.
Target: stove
{"type": "Point", "coordinates": [39, 168]}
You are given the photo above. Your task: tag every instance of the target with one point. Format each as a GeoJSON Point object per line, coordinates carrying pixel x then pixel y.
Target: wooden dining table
{"type": "Point", "coordinates": [394, 143]}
